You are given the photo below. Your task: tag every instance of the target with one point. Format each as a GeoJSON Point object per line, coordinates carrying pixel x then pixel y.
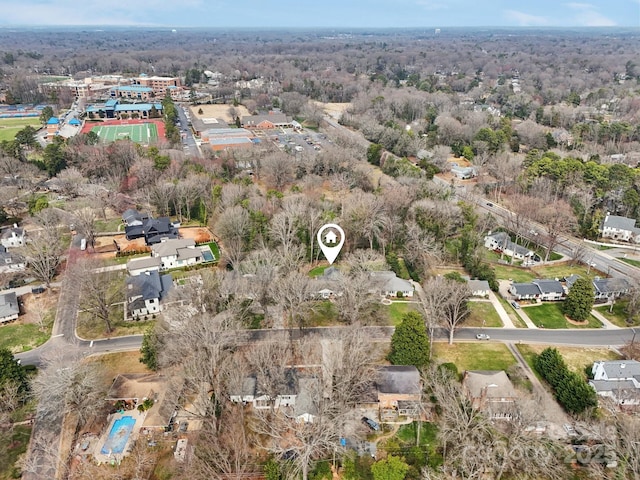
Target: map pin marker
{"type": "Point", "coordinates": [329, 242]}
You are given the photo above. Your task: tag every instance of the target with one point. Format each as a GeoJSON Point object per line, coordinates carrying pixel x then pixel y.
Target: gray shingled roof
{"type": "Point", "coordinates": [478, 285]}
{"type": "Point", "coordinates": [621, 223]}
{"type": "Point", "coordinates": [549, 286]}
{"type": "Point", "coordinates": [526, 289]}
{"type": "Point", "coordinates": [402, 379]}
{"type": "Point", "coordinates": [171, 247]}
{"type": "Point", "coordinates": [8, 304]}
{"type": "Point", "coordinates": [149, 285]}
{"type": "Point", "coordinates": [608, 285]}
{"type": "Point", "coordinates": [621, 368]}
{"type": "Point", "coordinates": [612, 385]}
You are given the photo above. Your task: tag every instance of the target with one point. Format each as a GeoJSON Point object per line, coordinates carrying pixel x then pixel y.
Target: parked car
{"type": "Point", "coordinates": [489, 204]}
{"type": "Point", "coordinates": [483, 336]}
{"type": "Point", "coordinates": [37, 290]}
{"type": "Point", "coordinates": [515, 304]}
{"type": "Point", "coordinates": [373, 425]}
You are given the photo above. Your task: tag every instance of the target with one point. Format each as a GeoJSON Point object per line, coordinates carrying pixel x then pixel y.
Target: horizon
{"type": "Point", "coordinates": [331, 14]}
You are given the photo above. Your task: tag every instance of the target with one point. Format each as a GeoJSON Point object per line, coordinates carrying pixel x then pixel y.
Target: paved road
{"type": "Point", "coordinates": [189, 144]}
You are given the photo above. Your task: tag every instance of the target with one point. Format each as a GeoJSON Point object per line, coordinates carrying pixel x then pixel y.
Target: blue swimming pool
{"type": "Point", "coordinates": [207, 256]}
{"type": "Point", "coordinates": [118, 436]}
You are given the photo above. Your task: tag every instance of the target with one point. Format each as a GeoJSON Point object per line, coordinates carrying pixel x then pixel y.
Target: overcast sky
{"type": "Point", "coordinates": [322, 13]}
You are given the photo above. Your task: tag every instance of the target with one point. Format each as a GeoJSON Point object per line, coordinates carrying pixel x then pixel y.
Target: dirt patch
{"type": "Point", "coordinates": [39, 309]}
{"type": "Point", "coordinates": [218, 111]}
{"type": "Point", "coordinates": [121, 362]}
{"type": "Point", "coordinates": [334, 110]}
{"type": "Point", "coordinates": [574, 322]}
{"type": "Point", "coordinates": [199, 234]}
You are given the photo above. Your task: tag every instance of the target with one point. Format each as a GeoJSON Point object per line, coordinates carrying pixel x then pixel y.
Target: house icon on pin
{"type": "Point", "coordinates": [330, 237]}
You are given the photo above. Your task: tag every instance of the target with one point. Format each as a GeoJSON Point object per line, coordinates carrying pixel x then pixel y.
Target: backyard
{"type": "Point", "coordinates": [474, 356]}
{"type": "Point", "coordinates": [90, 327]}
{"type": "Point", "coordinates": [517, 274]}
{"type": "Point", "coordinates": [482, 315]}
{"type": "Point", "coordinates": [550, 315]}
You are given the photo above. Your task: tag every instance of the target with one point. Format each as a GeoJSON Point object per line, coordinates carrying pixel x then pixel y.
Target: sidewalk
{"type": "Point", "coordinates": [605, 322]}
{"type": "Point", "coordinates": [502, 313]}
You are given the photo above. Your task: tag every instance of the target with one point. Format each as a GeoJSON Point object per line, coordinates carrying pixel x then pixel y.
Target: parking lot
{"type": "Point", "coordinates": [293, 141]}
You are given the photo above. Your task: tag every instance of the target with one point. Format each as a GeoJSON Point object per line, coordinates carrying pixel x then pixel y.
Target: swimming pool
{"type": "Point", "coordinates": [118, 436]}
{"type": "Point", "coordinates": [207, 255]}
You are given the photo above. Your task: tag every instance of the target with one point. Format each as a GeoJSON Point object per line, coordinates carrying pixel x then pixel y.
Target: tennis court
{"type": "Point", "coordinates": [139, 133]}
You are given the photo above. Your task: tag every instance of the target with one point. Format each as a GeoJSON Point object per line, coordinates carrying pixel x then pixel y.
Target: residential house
{"type": "Point", "coordinates": [328, 285]}
{"type": "Point", "coordinates": [479, 288]}
{"type": "Point", "coordinates": [620, 228]}
{"type": "Point", "coordinates": [255, 389]}
{"type": "Point", "coordinates": [399, 390]}
{"type": "Point", "coordinates": [132, 217]}
{"type": "Point", "coordinates": [550, 290]}
{"type": "Point", "coordinates": [154, 230]}
{"type": "Point", "coordinates": [266, 122]}
{"type": "Point", "coordinates": [177, 253]}
{"type": "Point", "coordinates": [525, 291]}
{"type": "Point", "coordinates": [501, 242]}
{"type": "Point", "coordinates": [136, 266]}
{"type": "Point", "coordinates": [605, 289]}
{"type": "Point", "coordinates": [389, 285]}
{"type": "Point", "coordinates": [9, 307]}
{"type": "Point", "coordinates": [10, 262]}
{"type": "Point", "coordinates": [490, 391]}
{"type": "Point", "coordinates": [463, 173]}
{"type": "Point", "coordinates": [13, 237]}
{"type": "Point", "coordinates": [145, 291]}
{"type": "Point", "coordinates": [610, 288]}
{"type": "Point", "coordinates": [618, 380]}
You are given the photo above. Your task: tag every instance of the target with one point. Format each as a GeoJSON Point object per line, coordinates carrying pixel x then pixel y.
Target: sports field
{"type": "Point", "coordinates": [140, 133]}
{"type": "Point", "coordinates": [10, 126]}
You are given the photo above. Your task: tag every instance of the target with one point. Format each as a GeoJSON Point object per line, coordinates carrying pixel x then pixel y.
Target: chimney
{"type": "Point", "coordinates": [15, 225]}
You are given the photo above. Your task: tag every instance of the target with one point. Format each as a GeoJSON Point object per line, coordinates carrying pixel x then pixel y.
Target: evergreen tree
{"type": "Point", "coordinates": [410, 342]}
{"type": "Point", "coordinates": [391, 468]}
{"type": "Point", "coordinates": [12, 371]}
{"type": "Point", "coordinates": [149, 349]}
{"type": "Point", "coordinates": [580, 300]}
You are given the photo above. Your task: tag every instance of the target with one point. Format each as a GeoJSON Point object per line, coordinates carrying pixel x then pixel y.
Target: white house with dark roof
{"type": "Point", "coordinates": [501, 242]}
{"type": "Point", "coordinates": [145, 291]}
{"type": "Point", "coordinates": [525, 291]}
{"type": "Point", "coordinates": [620, 228]}
{"type": "Point", "coordinates": [610, 288]}
{"type": "Point", "coordinates": [13, 237]}
{"type": "Point", "coordinates": [9, 307]}
{"type": "Point", "coordinates": [10, 262]}
{"type": "Point", "coordinates": [618, 380]}
{"type": "Point", "coordinates": [550, 290]}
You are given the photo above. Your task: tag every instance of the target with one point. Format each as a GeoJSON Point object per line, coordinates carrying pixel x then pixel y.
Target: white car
{"type": "Point", "coordinates": [483, 336]}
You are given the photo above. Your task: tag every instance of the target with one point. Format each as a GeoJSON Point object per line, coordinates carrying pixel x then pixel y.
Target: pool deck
{"type": "Point", "coordinates": [108, 458]}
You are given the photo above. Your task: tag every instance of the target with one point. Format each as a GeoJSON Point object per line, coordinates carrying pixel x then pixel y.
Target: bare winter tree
{"type": "Point", "coordinates": [85, 222]}
{"type": "Point", "coordinates": [474, 446]}
{"type": "Point", "coordinates": [288, 434]}
{"type": "Point", "coordinates": [99, 290]}
{"type": "Point", "coordinates": [294, 293]}
{"type": "Point", "coordinates": [44, 253]}
{"type": "Point", "coordinates": [354, 297]}
{"type": "Point", "coordinates": [277, 170]}
{"type": "Point", "coordinates": [232, 227]}
{"type": "Point", "coordinates": [446, 301]}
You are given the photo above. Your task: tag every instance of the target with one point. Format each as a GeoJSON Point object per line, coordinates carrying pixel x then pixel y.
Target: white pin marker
{"type": "Point", "coordinates": [329, 243]}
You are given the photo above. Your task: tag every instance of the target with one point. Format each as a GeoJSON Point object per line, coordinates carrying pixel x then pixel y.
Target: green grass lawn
{"type": "Point", "coordinates": [20, 338]}
{"type": "Point", "coordinates": [630, 261]}
{"type": "Point", "coordinates": [90, 327]}
{"type": "Point", "coordinates": [563, 270]}
{"type": "Point", "coordinates": [423, 435]}
{"type": "Point", "coordinates": [618, 316]}
{"type": "Point", "coordinates": [549, 315]}
{"type": "Point", "coordinates": [397, 309]}
{"type": "Point", "coordinates": [576, 358]}
{"type": "Point", "coordinates": [482, 311]}
{"type": "Point", "coordinates": [518, 275]}
{"type": "Point", "coordinates": [13, 443]}
{"type": "Point", "coordinates": [317, 271]}
{"type": "Point", "coordinates": [110, 225]}
{"type": "Point", "coordinates": [215, 249]}
{"type": "Point", "coordinates": [10, 126]}
{"type": "Point", "coordinates": [474, 356]}
{"type": "Point", "coordinates": [323, 314]}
